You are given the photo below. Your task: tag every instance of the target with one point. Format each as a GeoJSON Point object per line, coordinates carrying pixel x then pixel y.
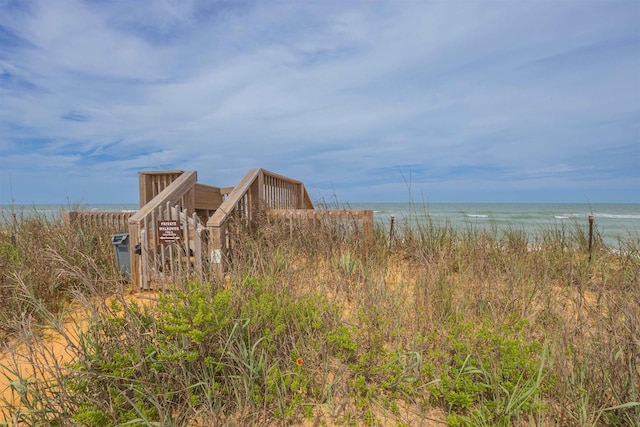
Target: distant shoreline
{"type": "Point", "coordinates": [614, 221]}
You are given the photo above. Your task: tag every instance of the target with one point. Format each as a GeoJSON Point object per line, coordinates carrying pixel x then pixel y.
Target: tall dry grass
{"type": "Point", "coordinates": [429, 325]}
{"type": "Point", "coordinates": [43, 259]}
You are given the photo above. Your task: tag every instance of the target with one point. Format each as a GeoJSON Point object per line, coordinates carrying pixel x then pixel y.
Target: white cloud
{"type": "Point", "coordinates": [323, 91]}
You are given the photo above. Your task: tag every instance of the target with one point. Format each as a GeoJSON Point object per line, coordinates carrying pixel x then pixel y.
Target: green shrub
{"type": "Point", "coordinates": [199, 350]}
{"type": "Point", "coordinates": [490, 375]}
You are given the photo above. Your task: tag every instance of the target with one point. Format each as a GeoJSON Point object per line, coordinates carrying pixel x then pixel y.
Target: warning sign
{"type": "Point", "coordinates": [169, 231]}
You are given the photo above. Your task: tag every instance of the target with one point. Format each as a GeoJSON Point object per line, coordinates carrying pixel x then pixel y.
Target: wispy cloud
{"type": "Point", "coordinates": [471, 99]}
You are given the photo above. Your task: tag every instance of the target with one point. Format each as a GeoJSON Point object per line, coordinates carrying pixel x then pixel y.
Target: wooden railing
{"type": "Point", "coordinates": [153, 262]}
{"type": "Point", "coordinates": [258, 191]}
{"type": "Point", "coordinates": [346, 221]}
{"type": "Point", "coordinates": [118, 222]}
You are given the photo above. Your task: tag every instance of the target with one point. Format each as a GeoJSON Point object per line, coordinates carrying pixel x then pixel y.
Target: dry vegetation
{"type": "Point", "coordinates": [430, 326]}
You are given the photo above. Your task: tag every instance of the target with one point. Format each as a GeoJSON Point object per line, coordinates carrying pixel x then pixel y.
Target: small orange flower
{"type": "Point", "coordinates": [299, 361]}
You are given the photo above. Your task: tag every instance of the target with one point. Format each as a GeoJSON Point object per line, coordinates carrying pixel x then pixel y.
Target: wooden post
{"type": "Point", "coordinates": [254, 201]}
{"type": "Point", "coordinates": [590, 235]}
{"type": "Point", "coordinates": [367, 228]}
{"type": "Point", "coordinates": [143, 269]}
{"type": "Point", "coordinates": [260, 201]}
{"type": "Point", "coordinates": [186, 263]}
{"type": "Point", "coordinates": [191, 201]}
{"type": "Point", "coordinates": [134, 240]}
{"type": "Point", "coordinates": [70, 217]}
{"type": "Point", "coordinates": [197, 246]}
{"type": "Point", "coordinates": [215, 250]}
{"type": "Point", "coordinates": [152, 242]}
{"type": "Point", "coordinates": [393, 217]}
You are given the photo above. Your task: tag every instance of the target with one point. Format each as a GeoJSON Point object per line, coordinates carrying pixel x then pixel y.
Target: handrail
{"type": "Point", "coordinates": [229, 204]}
{"type": "Point", "coordinates": [257, 191]}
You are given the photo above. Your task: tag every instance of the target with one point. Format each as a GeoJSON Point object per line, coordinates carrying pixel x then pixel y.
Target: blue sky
{"type": "Point", "coordinates": [451, 101]}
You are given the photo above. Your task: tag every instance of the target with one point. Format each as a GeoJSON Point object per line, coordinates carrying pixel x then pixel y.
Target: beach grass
{"type": "Point", "coordinates": [428, 325]}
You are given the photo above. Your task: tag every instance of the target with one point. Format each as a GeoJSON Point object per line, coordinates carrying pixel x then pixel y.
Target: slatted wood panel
{"type": "Point", "coordinates": [118, 222]}
{"type": "Point", "coordinates": [152, 183]}
{"type": "Point", "coordinates": [207, 197]}
{"type": "Point", "coordinates": [284, 193]}
{"type": "Point", "coordinates": [346, 220]}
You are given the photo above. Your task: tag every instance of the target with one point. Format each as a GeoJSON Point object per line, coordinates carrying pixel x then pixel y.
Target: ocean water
{"type": "Point", "coordinates": [614, 222]}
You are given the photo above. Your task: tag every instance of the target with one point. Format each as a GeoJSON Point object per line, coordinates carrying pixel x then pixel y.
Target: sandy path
{"type": "Point", "coordinates": [39, 356]}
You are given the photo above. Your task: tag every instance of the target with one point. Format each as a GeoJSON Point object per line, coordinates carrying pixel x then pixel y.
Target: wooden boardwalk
{"type": "Point", "coordinates": [182, 225]}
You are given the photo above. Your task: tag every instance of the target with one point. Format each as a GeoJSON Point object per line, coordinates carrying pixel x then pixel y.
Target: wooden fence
{"type": "Point", "coordinates": [345, 221]}
{"type": "Point", "coordinates": [116, 221]}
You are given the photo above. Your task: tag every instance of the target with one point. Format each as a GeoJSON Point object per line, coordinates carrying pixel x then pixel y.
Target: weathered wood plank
{"type": "Point", "coordinates": [136, 268]}
{"type": "Point", "coordinates": [207, 197]}
{"type": "Point", "coordinates": [153, 182]}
